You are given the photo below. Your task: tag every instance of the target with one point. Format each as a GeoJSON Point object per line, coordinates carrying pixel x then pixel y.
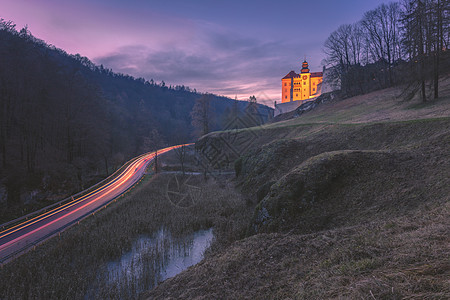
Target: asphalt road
{"type": "Point", "coordinates": [27, 234]}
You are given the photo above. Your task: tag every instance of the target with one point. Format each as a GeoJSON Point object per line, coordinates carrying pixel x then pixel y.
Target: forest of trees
{"type": "Point", "coordinates": [404, 42]}
{"type": "Point", "coordinates": [65, 123]}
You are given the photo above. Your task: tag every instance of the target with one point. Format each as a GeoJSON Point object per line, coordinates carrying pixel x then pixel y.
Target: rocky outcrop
{"type": "Point", "coordinates": [309, 105]}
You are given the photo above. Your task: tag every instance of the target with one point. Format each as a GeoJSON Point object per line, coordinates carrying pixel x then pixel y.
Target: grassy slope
{"type": "Point", "coordinates": [395, 260]}
{"type": "Point", "coordinates": [354, 204]}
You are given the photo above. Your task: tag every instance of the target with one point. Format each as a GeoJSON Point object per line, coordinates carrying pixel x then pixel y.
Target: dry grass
{"type": "Point", "coordinates": [405, 258]}
{"type": "Point", "coordinates": [70, 267]}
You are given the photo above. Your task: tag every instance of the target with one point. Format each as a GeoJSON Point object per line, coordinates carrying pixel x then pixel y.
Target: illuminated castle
{"type": "Point", "coordinates": [301, 87]}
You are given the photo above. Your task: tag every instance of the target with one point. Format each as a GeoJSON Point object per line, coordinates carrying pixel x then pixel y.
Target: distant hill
{"type": "Point", "coordinates": [66, 122]}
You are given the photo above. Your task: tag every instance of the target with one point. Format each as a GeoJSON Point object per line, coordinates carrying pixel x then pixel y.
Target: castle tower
{"type": "Point", "coordinates": [305, 68]}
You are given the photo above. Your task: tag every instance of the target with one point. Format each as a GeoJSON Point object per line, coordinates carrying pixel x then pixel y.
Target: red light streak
{"type": "Point", "coordinates": [121, 181]}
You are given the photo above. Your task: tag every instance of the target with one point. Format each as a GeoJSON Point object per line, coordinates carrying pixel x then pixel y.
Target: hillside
{"type": "Point", "coordinates": [376, 107]}
{"type": "Point", "coordinates": [66, 123]}
{"type": "Point", "coordinates": [351, 201]}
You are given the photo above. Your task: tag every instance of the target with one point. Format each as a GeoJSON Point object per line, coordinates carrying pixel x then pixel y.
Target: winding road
{"type": "Point", "coordinates": [29, 233]}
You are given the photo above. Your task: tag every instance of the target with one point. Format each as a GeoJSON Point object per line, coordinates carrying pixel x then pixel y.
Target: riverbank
{"type": "Point", "coordinates": [403, 257]}
{"type": "Point", "coordinates": [74, 265]}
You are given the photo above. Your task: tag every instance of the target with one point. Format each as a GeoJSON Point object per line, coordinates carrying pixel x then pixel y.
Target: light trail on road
{"type": "Point", "coordinates": [18, 238]}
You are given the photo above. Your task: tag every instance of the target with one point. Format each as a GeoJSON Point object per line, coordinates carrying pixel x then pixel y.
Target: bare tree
{"type": "Point", "coordinates": [425, 24]}
{"type": "Point", "coordinates": [344, 51]}
{"type": "Point", "coordinates": [394, 43]}
{"type": "Point", "coordinates": [381, 27]}
{"type": "Point", "coordinates": [181, 155]}
{"type": "Point", "coordinates": [201, 115]}
{"type": "Point", "coordinates": [442, 15]}
{"type": "Point", "coordinates": [252, 116]}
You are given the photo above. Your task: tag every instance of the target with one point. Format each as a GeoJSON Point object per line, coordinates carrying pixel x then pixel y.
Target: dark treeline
{"type": "Point", "coordinates": [65, 123]}
{"type": "Point", "coordinates": [404, 42]}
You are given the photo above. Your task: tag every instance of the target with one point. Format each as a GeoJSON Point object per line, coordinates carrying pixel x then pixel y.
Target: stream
{"type": "Point", "coordinates": [153, 260]}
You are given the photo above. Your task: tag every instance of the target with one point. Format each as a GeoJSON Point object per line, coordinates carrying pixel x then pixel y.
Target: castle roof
{"type": "Point", "coordinates": [305, 69]}
{"type": "Point", "coordinates": [291, 74]}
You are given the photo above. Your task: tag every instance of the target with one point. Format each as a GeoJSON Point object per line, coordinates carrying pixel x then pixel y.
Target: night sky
{"type": "Point", "coordinates": [232, 48]}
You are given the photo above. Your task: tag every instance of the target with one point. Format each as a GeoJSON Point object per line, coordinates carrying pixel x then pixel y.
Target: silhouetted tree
{"type": "Point", "coordinates": [392, 44]}
{"type": "Point", "coordinates": [62, 118]}
{"type": "Point", "coordinates": [252, 116]}
{"type": "Point", "coordinates": [426, 34]}
{"type": "Point", "coordinates": [382, 34]}
{"type": "Point", "coordinates": [181, 155]}
{"type": "Point", "coordinates": [202, 115]}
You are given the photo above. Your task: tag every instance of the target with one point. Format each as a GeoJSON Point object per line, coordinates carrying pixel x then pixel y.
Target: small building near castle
{"type": "Point", "coordinates": [296, 89]}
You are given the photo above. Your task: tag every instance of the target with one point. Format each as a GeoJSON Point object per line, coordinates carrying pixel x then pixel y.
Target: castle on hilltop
{"type": "Point", "coordinates": [301, 87]}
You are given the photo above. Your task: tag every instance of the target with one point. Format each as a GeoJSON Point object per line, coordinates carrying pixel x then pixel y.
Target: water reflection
{"type": "Point", "coordinates": [177, 263]}
{"type": "Point", "coordinates": [154, 259]}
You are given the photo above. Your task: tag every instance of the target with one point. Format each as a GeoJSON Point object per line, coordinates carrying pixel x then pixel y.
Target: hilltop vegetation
{"type": "Point", "coordinates": [401, 42]}
{"type": "Point", "coordinates": [65, 123]}
{"type": "Point", "coordinates": [351, 201]}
